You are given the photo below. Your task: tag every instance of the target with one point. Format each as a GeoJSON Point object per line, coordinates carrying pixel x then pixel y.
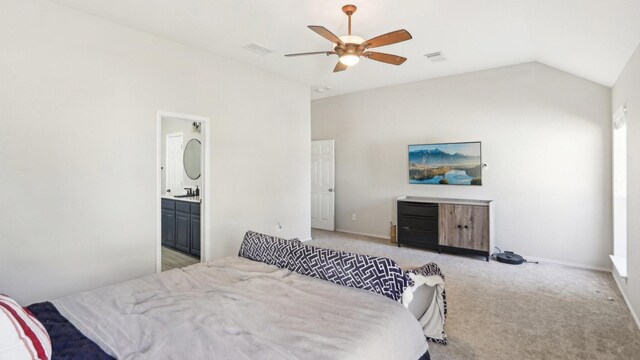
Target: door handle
{"type": "Point", "coordinates": [330, 190]}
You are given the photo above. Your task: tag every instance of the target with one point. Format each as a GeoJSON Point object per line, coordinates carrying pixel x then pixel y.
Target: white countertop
{"type": "Point", "coordinates": [192, 199]}
{"type": "Point", "coordinates": [444, 200]}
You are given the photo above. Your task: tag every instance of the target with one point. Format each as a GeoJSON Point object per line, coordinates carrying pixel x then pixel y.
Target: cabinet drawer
{"type": "Point", "coordinates": [168, 204]}
{"type": "Point", "coordinates": [183, 206]}
{"type": "Point", "coordinates": [418, 237]}
{"type": "Point", "coordinates": [419, 209]}
{"type": "Point", "coordinates": [195, 209]}
{"type": "Point", "coordinates": [418, 222]}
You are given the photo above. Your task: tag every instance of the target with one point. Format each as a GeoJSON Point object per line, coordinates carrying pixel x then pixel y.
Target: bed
{"type": "Point", "coordinates": [235, 308]}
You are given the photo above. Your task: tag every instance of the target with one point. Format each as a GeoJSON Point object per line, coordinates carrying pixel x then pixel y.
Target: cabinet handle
{"type": "Point", "coordinates": [459, 226]}
{"type": "Point", "coordinates": [466, 227]}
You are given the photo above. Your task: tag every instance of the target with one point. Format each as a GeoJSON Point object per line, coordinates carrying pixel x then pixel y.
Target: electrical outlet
{"type": "Point", "coordinates": [278, 227]}
{"type": "Point", "coordinates": [354, 217]}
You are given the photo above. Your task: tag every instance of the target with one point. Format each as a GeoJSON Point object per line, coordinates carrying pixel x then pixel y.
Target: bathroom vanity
{"type": "Point", "coordinates": [181, 224]}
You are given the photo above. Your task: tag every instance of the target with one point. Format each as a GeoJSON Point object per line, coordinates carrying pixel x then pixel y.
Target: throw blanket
{"type": "Point", "coordinates": [234, 308]}
{"type": "Point", "coordinates": [67, 342]}
{"type": "Point", "coordinates": [433, 319]}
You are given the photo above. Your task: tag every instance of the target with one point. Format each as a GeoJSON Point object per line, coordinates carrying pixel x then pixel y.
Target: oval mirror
{"type": "Point", "coordinates": [192, 154]}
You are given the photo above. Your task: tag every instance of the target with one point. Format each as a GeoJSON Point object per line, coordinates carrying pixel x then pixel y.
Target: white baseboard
{"type": "Point", "coordinates": [531, 258]}
{"type": "Point", "coordinates": [387, 237]}
{"type": "Point", "coordinates": [567, 263]}
{"type": "Point", "coordinates": [308, 239]}
{"type": "Point", "coordinates": [626, 300]}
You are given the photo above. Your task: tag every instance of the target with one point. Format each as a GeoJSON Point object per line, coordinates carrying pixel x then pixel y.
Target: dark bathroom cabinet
{"type": "Point", "coordinates": [181, 226]}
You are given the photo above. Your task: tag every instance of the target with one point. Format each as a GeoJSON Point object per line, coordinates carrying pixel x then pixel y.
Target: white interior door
{"type": "Point", "coordinates": [322, 184]}
{"type": "Point", "coordinates": [174, 166]}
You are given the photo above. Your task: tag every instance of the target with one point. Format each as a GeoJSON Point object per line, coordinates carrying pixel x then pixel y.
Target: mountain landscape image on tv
{"type": "Point", "coordinates": [446, 164]}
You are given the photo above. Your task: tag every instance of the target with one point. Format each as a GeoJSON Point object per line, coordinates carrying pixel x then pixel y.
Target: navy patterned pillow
{"type": "Point", "coordinates": [267, 249]}
{"type": "Point", "coordinates": [376, 274]}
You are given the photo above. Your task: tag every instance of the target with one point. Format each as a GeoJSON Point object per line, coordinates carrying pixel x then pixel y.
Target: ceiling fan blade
{"type": "Point", "coordinates": [385, 58]}
{"type": "Point", "coordinates": [340, 67]}
{"type": "Point", "coordinates": [322, 31]}
{"type": "Point", "coordinates": [387, 39]}
{"type": "Point", "coordinates": [313, 53]}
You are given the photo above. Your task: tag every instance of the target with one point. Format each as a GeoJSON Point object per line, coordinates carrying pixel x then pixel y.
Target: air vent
{"type": "Point", "coordinates": [257, 49]}
{"type": "Point", "coordinates": [435, 56]}
{"type": "Point", "coordinates": [322, 89]}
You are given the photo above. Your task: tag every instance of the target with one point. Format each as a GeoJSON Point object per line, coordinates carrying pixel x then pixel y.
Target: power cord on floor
{"type": "Point", "coordinates": [496, 253]}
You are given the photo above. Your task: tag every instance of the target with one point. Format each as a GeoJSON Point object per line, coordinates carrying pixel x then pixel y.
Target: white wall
{"type": "Point", "coordinates": [78, 102]}
{"type": "Point", "coordinates": [185, 127]}
{"type": "Point", "coordinates": [627, 91]}
{"type": "Point", "coordinates": [545, 136]}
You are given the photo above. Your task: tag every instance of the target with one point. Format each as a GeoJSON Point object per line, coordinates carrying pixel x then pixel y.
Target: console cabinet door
{"type": "Point", "coordinates": [169, 228]}
{"type": "Point", "coordinates": [464, 226]}
{"type": "Point", "coordinates": [182, 232]}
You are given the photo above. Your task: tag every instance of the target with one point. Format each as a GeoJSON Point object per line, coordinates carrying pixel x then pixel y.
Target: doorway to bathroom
{"type": "Point", "coordinates": [182, 190]}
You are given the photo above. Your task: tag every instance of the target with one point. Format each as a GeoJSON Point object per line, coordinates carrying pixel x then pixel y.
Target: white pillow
{"type": "Point", "coordinates": [22, 336]}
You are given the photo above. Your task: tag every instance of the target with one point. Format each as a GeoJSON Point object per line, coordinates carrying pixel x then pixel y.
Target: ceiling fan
{"type": "Point", "coordinates": [350, 48]}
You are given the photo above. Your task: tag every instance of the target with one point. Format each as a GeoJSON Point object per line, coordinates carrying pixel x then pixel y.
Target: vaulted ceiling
{"type": "Point", "coordinates": [592, 39]}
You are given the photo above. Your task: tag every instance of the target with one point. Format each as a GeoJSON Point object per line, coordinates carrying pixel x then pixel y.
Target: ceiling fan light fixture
{"type": "Point", "coordinates": [350, 48]}
{"type": "Point", "coordinates": [349, 59]}
{"type": "Point", "coordinates": [351, 39]}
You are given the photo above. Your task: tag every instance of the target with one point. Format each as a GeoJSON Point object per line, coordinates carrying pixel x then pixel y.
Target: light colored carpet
{"type": "Point", "coordinates": [528, 311]}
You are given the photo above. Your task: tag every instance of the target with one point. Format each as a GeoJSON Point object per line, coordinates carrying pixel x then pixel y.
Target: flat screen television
{"type": "Point", "coordinates": [446, 163]}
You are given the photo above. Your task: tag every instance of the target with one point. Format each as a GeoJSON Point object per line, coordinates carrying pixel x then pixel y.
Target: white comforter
{"type": "Point", "coordinates": [234, 308]}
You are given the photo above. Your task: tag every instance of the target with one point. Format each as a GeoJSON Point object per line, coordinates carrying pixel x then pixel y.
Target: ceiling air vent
{"type": "Point", "coordinates": [322, 89]}
{"type": "Point", "coordinates": [257, 49]}
{"type": "Point", "coordinates": [435, 56]}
